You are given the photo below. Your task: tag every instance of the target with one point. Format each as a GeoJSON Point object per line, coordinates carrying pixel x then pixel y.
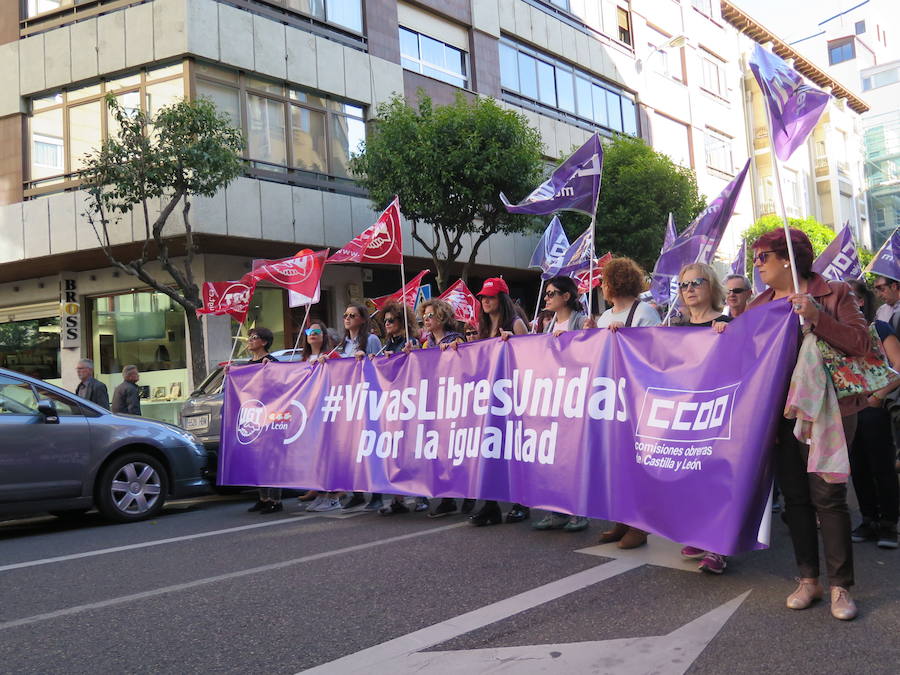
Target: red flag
{"type": "Point", "coordinates": [300, 274]}
{"type": "Point", "coordinates": [379, 243]}
{"type": "Point", "coordinates": [582, 277]}
{"type": "Point", "coordinates": [408, 292]}
{"type": "Point", "coordinates": [227, 297]}
{"type": "Point", "coordinates": [464, 303]}
{"type": "Point", "coordinates": [294, 299]}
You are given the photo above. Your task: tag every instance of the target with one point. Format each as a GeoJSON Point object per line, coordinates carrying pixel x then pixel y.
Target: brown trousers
{"type": "Point", "coordinates": [807, 495]}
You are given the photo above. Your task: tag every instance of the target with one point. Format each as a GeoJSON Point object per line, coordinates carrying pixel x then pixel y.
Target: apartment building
{"type": "Point", "coordinates": [302, 79]}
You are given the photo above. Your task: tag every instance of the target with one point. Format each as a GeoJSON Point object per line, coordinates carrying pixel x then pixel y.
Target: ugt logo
{"type": "Point", "coordinates": [687, 416]}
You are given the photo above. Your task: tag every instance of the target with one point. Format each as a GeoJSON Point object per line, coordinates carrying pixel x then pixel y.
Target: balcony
{"type": "Point", "coordinates": [761, 138]}
{"type": "Point", "coordinates": [822, 169]}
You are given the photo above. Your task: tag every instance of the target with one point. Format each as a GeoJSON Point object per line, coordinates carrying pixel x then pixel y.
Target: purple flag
{"type": "Point", "coordinates": [671, 235]}
{"type": "Point", "coordinates": [573, 186]}
{"type": "Point", "coordinates": [885, 262]}
{"type": "Point", "coordinates": [758, 285]}
{"type": "Point", "coordinates": [739, 265]}
{"type": "Point", "coordinates": [551, 249]}
{"type": "Point", "coordinates": [794, 107]}
{"type": "Point", "coordinates": [698, 243]}
{"type": "Point", "coordinates": [664, 288]}
{"type": "Point", "coordinates": [662, 429]}
{"type": "Point", "coordinates": [840, 260]}
{"type": "Point", "coordinates": [578, 257]}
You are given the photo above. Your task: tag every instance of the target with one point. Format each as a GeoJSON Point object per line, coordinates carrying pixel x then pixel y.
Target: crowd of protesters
{"type": "Point", "coordinates": [838, 313]}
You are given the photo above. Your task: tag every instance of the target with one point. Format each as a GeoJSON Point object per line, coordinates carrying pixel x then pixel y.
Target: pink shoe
{"type": "Point", "coordinates": [713, 563]}
{"type": "Point", "coordinates": [692, 553]}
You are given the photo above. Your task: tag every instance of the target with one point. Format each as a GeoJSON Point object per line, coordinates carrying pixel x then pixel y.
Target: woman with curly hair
{"type": "Point", "coordinates": [623, 282]}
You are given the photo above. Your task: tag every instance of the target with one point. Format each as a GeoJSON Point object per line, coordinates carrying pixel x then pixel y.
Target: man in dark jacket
{"type": "Point", "coordinates": [127, 396]}
{"type": "Point", "coordinates": [91, 388]}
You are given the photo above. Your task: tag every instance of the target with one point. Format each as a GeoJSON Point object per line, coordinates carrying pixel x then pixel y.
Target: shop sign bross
{"type": "Point", "coordinates": [70, 312]}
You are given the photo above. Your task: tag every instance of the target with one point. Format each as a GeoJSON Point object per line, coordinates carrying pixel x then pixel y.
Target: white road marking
{"type": "Point", "coordinates": [388, 655]}
{"type": "Point", "coordinates": [670, 654]}
{"type": "Point", "coordinates": [172, 540]}
{"type": "Point", "coordinates": [111, 602]}
{"type": "Point", "coordinates": [657, 551]}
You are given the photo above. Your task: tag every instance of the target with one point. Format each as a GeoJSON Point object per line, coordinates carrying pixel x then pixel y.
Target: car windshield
{"type": "Point", "coordinates": [212, 384]}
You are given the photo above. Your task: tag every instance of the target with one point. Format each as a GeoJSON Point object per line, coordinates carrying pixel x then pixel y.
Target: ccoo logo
{"type": "Point", "coordinates": [688, 416]}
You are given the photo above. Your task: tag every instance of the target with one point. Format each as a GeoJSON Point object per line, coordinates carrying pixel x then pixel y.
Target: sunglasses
{"type": "Point", "coordinates": [737, 291]}
{"type": "Point", "coordinates": [470, 333]}
{"type": "Point", "coordinates": [762, 256]}
{"type": "Point", "coordinates": [696, 283]}
{"type": "Point", "coordinates": [389, 320]}
{"type": "Point", "coordinates": [430, 315]}
{"type": "Point", "coordinates": [253, 337]}
{"type": "Point", "coordinates": [313, 331]}
{"type": "Point", "coordinates": [552, 294]}
{"type": "Point", "coordinates": [348, 315]}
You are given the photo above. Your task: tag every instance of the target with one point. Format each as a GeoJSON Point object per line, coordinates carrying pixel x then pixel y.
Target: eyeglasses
{"type": "Point", "coordinates": [695, 283]}
{"type": "Point", "coordinates": [430, 315]}
{"type": "Point", "coordinates": [761, 257]}
{"type": "Point", "coordinates": [349, 315]}
{"type": "Point", "coordinates": [253, 337]}
{"type": "Point", "coordinates": [737, 291]}
{"type": "Point", "coordinates": [470, 333]}
{"type": "Point", "coordinates": [313, 331]}
{"type": "Point", "coordinates": [552, 294]}
{"type": "Point", "coordinates": [389, 320]}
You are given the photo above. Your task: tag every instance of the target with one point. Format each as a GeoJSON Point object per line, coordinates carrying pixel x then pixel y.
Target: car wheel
{"type": "Point", "coordinates": [132, 487]}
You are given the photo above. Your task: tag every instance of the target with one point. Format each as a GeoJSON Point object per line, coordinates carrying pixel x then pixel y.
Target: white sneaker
{"type": "Point", "coordinates": [314, 504]}
{"type": "Point", "coordinates": [328, 505]}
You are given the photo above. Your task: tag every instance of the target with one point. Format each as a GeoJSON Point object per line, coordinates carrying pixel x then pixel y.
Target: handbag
{"type": "Point", "coordinates": [855, 375]}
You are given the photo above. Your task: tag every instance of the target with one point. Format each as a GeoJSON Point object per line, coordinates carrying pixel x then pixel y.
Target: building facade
{"type": "Point", "coordinates": [302, 80]}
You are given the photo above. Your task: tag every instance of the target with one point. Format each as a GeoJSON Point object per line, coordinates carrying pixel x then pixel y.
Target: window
{"type": "Point", "coordinates": [546, 82]}
{"type": "Point", "coordinates": [713, 74]}
{"type": "Point", "coordinates": [64, 407]}
{"type": "Point", "coordinates": [344, 13]}
{"type": "Point", "coordinates": [859, 27]}
{"type": "Point", "coordinates": [664, 61]}
{"type": "Point", "coordinates": [65, 126]}
{"type": "Point", "coordinates": [35, 7]}
{"type": "Point", "coordinates": [703, 6]}
{"type": "Point", "coordinates": [718, 152]}
{"type": "Point", "coordinates": [841, 50]}
{"type": "Point", "coordinates": [791, 193]}
{"type": "Point", "coordinates": [433, 58]}
{"type": "Point", "coordinates": [624, 22]}
{"type": "Point", "coordinates": [672, 138]}
{"type": "Point", "coordinates": [882, 79]}
{"type": "Point", "coordinates": [562, 4]}
{"type": "Point", "coordinates": [31, 345]}
{"type": "Point", "coordinates": [286, 128]}
{"type": "Point", "coordinates": [16, 397]}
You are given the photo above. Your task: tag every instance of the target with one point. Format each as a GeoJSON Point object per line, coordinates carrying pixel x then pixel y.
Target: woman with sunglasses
{"type": "Point", "coordinates": [259, 342]}
{"type": "Point", "coordinates": [317, 345]}
{"type": "Point", "coordinates": [359, 341]}
{"type": "Point", "coordinates": [561, 298]}
{"type": "Point", "coordinates": [498, 318]}
{"type": "Point", "coordinates": [701, 294]}
{"type": "Point", "coordinates": [829, 310]}
{"type": "Point", "coordinates": [623, 282]}
{"type": "Point", "coordinates": [397, 340]}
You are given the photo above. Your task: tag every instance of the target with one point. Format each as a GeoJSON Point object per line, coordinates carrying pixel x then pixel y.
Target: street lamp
{"type": "Point", "coordinates": [677, 41]}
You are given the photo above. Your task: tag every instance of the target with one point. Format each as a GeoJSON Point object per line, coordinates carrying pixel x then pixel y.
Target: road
{"type": "Point", "coordinates": [208, 587]}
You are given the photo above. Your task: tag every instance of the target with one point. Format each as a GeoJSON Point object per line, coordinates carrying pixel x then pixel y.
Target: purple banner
{"type": "Point", "coordinates": [661, 428]}
{"type": "Point", "coordinates": [885, 262]}
{"type": "Point", "coordinates": [840, 259]}
{"type": "Point", "coordinates": [574, 185]}
{"type": "Point", "coordinates": [794, 107]}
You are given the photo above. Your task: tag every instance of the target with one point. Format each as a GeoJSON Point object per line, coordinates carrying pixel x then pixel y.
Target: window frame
{"type": "Point", "coordinates": [628, 29]}
{"type": "Point", "coordinates": [721, 86]}
{"type": "Point", "coordinates": [840, 44]}
{"type": "Point", "coordinates": [422, 63]}
{"type": "Point", "coordinates": [575, 116]}
{"type": "Point", "coordinates": [710, 151]}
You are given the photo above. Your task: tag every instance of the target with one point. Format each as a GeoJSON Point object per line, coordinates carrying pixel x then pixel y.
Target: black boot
{"type": "Point", "coordinates": [489, 514]}
{"type": "Point", "coordinates": [518, 513]}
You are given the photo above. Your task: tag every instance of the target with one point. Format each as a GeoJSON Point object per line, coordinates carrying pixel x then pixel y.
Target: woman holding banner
{"type": "Point", "coordinates": [623, 282]}
{"type": "Point", "coordinates": [359, 341]}
{"type": "Point", "coordinates": [561, 298]}
{"type": "Point", "coordinates": [498, 318]}
{"type": "Point", "coordinates": [829, 310]}
{"type": "Point", "coordinates": [440, 331]}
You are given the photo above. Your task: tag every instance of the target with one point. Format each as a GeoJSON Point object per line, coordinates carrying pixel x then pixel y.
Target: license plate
{"type": "Point", "coordinates": [196, 422]}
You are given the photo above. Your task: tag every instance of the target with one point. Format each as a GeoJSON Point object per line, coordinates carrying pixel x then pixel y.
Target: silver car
{"type": "Point", "coordinates": [63, 454]}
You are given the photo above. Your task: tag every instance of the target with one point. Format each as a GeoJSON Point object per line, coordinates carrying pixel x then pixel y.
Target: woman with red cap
{"type": "Point", "coordinates": [498, 318]}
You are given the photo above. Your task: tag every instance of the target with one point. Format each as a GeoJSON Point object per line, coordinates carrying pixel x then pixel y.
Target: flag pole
{"type": "Point", "coordinates": [403, 298]}
{"type": "Point", "coordinates": [783, 214]}
{"type": "Point", "coordinates": [302, 326]}
{"type": "Point", "coordinates": [234, 345]}
{"type": "Point", "coordinates": [537, 305]}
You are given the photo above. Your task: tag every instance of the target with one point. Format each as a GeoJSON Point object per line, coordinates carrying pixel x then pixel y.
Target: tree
{"type": "Point", "coordinates": [640, 188]}
{"type": "Point", "coordinates": [185, 149]}
{"type": "Point", "coordinates": [448, 165]}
